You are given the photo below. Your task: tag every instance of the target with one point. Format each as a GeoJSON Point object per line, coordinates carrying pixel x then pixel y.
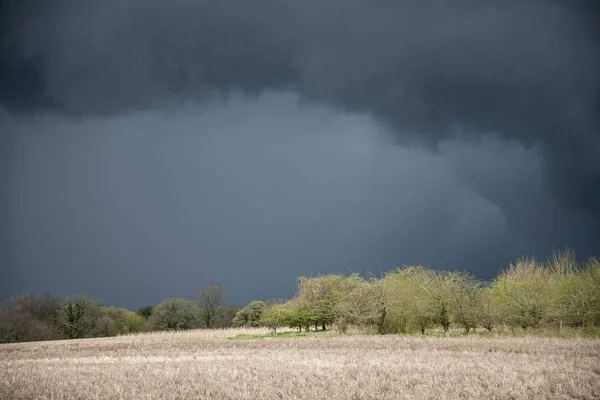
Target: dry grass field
{"type": "Point", "coordinates": [210, 365]}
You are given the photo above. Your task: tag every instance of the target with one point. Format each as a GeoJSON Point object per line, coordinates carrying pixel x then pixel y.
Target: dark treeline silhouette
{"type": "Point", "coordinates": [528, 294]}
{"type": "Point", "coordinates": [29, 317]}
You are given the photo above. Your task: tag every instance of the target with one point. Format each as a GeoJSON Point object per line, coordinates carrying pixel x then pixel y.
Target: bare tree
{"type": "Point", "coordinates": [210, 299]}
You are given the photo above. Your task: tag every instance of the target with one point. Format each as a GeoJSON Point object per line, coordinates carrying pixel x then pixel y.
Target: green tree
{"type": "Point", "coordinates": [125, 321]}
{"type": "Point", "coordinates": [319, 296]}
{"type": "Point", "coordinates": [524, 293]}
{"type": "Point", "coordinates": [579, 303]}
{"type": "Point", "coordinates": [275, 316]}
{"type": "Point", "coordinates": [364, 306]}
{"type": "Point", "coordinates": [146, 311]}
{"type": "Point", "coordinates": [250, 315]}
{"type": "Point", "coordinates": [408, 305]}
{"type": "Point", "coordinates": [466, 301]}
{"type": "Point", "coordinates": [175, 314]}
{"type": "Point", "coordinates": [78, 315]}
{"type": "Point", "coordinates": [488, 311]}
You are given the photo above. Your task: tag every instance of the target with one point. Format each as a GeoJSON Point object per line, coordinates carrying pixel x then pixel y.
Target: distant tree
{"type": "Point", "coordinates": [224, 317]}
{"type": "Point", "coordinates": [275, 316]}
{"type": "Point", "coordinates": [175, 314]}
{"type": "Point", "coordinates": [210, 299]}
{"type": "Point", "coordinates": [579, 295]}
{"type": "Point", "coordinates": [488, 311]}
{"type": "Point", "coordinates": [28, 318]}
{"type": "Point", "coordinates": [364, 306]}
{"type": "Point", "coordinates": [408, 305]}
{"type": "Point", "coordinates": [318, 296]}
{"type": "Point", "coordinates": [250, 315]}
{"type": "Point", "coordinates": [146, 311]}
{"type": "Point", "coordinates": [78, 315]}
{"type": "Point", "coordinates": [106, 326]}
{"type": "Point", "coordinates": [524, 293]}
{"type": "Point", "coordinates": [125, 321]}
{"type": "Point", "coordinates": [466, 301]}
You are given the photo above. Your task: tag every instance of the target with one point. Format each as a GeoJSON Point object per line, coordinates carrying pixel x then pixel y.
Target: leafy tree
{"type": "Point", "coordinates": [78, 315]}
{"type": "Point", "coordinates": [364, 306]}
{"type": "Point", "coordinates": [579, 303]}
{"type": "Point", "coordinates": [488, 312]}
{"type": "Point", "coordinates": [408, 306]}
{"type": "Point", "coordinates": [250, 315]}
{"type": "Point", "coordinates": [319, 296]}
{"type": "Point", "coordinates": [300, 314]}
{"type": "Point", "coordinates": [146, 311]}
{"type": "Point", "coordinates": [175, 314]}
{"type": "Point", "coordinates": [524, 293]}
{"type": "Point", "coordinates": [275, 316]}
{"type": "Point", "coordinates": [210, 299]}
{"type": "Point", "coordinates": [125, 321]}
{"type": "Point", "coordinates": [466, 300]}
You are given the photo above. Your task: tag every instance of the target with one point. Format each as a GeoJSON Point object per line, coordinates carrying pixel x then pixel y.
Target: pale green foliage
{"type": "Point", "coordinates": [442, 289]}
{"type": "Point", "coordinates": [318, 297]}
{"type": "Point", "coordinates": [275, 316]}
{"type": "Point", "coordinates": [176, 314]}
{"type": "Point", "coordinates": [250, 315]}
{"type": "Point", "coordinates": [363, 306]}
{"type": "Point", "coordinates": [125, 321]}
{"type": "Point", "coordinates": [524, 293]}
{"type": "Point", "coordinates": [408, 306]}
{"type": "Point", "coordinates": [488, 311]}
{"type": "Point", "coordinates": [466, 301]}
{"type": "Point", "coordinates": [300, 314]}
{"type": "Point", "coordinates": [580, 296]}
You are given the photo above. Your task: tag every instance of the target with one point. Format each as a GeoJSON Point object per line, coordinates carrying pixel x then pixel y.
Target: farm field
{"type": "Point", "coordinates": [211, 365]}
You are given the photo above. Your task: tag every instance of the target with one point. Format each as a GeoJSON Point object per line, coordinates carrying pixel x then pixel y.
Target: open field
{"type": "Point", "coordinates": [209, 365]}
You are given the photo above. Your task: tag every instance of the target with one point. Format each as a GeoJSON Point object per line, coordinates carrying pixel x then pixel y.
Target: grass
{"type": "Point", "coordinates": [207, 365]}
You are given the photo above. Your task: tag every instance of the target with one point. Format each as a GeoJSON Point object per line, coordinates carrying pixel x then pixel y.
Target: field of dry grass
{"type": "Point", "coordinates": [209, 365]}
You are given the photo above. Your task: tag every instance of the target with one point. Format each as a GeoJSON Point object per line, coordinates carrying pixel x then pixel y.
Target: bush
{"type": "Point", "coordinates": [29, 318]}
{"type": "Point", "coordinates": [176, 314]}
{"type": "Point", "coordinates": [78, 315]}
{"type": "Point", "coordinates": [250, 315]}
{"type": "Point", "coordinates": [364, 306]}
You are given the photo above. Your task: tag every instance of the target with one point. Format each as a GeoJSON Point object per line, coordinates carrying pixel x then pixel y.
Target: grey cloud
{"type": "Point", "coordinates": [249, 193]}
{"type": "Point", "coordinates": [503, 95]}
{"type": "Point", "coordinates": [524, 70]}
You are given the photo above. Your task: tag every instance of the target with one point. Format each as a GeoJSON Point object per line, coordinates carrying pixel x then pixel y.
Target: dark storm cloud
{"type": "Point", "coordinates": [248, 193]}
{"type": "Point", "coordinates": [525, 70]}
{"type": "Point", "coordinates": [102, 144]}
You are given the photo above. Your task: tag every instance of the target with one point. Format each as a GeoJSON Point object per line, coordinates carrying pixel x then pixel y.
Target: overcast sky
{"type": "Point", "coordinates": [149, 148]}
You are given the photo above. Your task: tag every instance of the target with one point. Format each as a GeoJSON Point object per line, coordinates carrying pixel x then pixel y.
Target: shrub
{"type": "Point", "coordinates": [250, 315]}
{"type": "Point", "coordinates": [176, 314]}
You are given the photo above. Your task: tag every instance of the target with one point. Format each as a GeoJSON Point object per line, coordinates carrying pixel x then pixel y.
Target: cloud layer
{"type": "Point", "coordinates": [504, 97]}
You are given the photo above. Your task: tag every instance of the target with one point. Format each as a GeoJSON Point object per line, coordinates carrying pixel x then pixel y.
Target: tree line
{"type": "Point", "coordinates": [29, 317]}
{"type": "Point", "coordinates": [528, 294]}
